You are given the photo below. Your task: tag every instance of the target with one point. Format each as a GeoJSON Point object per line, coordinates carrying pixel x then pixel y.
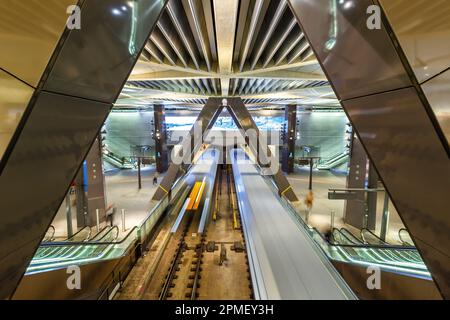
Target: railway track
{"type": "Point", "coordinates": [195, 266]}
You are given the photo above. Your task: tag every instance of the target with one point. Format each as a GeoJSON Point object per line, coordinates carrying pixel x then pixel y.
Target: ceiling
{"type": "Point", "coordinates": [254, 49]}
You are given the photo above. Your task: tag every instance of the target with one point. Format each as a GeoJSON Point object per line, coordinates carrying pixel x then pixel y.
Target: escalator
{"type": "Point", "coordinates": [333, 161]}
{"type": "Point", "coordinates": [58, 254]}
{"type": "Point", "coordinates": [404, 274]}
{"type": "Point", "coordinates": [102, 261]}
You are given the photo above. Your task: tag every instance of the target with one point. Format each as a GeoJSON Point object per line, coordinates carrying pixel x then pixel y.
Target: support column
{"type": "Point", "coordinates": [80, 195]}
{"type": "Point", "coordinates": [290, 116]}
{"type": "Point", "coordinates": [356, 209]}
{"type": "Point", "coordinates": [160, 136]}
{"type": "Point", "coordinates": [95, 182]}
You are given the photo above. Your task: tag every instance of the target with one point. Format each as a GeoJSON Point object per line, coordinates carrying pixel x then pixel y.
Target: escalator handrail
{"type": "Point", "coordinates": [79, 231]}
{"type": "Point", "coordinates": [160, 202]}
{"type": "Point", "coordinates": [365, 245]}
{"type": "Point", "coordinates": [356, 239]}
{"type": "Point", "coordinates": [405, 243]}
{"type": "Point", "coordinates": [313, 229]}
{"type": "Point", "coordinates": [372, 234]}
{"type": "Point", "coordinates": [52, 237]}
{"type": "Point", "coordinates": [93, 243]}
{"type": "Point", "coordinates": [98, 233]}
{"type": "Point", "coordinates": [343, 235]}
{"type": "Point", "coordinates": [109, 231]}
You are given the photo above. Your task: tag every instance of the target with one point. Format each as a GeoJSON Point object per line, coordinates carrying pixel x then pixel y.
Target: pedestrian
{"type": "Point", "coordinates": [155, 179]}
{"type": "Point", "coordinates": [309, 200]}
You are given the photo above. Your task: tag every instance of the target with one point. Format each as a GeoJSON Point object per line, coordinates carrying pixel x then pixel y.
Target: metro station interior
{"type": "Point", "coordinates": [224, 149]}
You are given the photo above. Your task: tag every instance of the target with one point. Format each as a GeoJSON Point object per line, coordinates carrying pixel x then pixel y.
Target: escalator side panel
{"type": "Point", "coordinates": [408, 149]}
{"type": "Point", "coordinates": [84, 76]}
{"type": "Point", "coordinates": [34, 182]}
{"type": "Point", "coordinates": [95, 277]}
{"type": "Point", "coordinates": [394, 286]}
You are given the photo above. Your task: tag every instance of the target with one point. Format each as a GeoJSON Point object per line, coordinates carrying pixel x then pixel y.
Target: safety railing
{"type": "Point", "coordinates": [393, 258]}
{"type": "Point", "coordinates": [52, 255]}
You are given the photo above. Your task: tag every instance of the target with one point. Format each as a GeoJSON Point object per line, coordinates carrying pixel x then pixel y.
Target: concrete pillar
{"type": "Point", "coordinates": [160, 136]}
{"type": "Point", "coordinates": [95, 185]}
{"type": "Point", "coordinates": [290, 117]}
{"type": "Point", "coordinates": [80, 194]}
{"type": "Point", "coordinates": [355, 210]}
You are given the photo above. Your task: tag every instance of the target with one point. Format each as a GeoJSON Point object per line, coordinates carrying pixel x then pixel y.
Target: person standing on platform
{"type": "Point", "coordinates": [309, 200]}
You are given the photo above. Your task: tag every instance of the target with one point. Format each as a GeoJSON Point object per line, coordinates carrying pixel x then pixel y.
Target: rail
{"type": "Point", "coordinates": [403, 241]}
{"type": "Point", "coordinates": [51, 237]}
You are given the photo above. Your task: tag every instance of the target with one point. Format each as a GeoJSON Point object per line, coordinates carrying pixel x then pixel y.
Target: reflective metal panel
{"type": "Point", "coordinates": [437, 91]}
{"type": "Point", "coordinates": [358, 61]}
{"type": "Point", "coordinates": [405, 148]}
{"type": "Point", "coordinates": [29, 33]}
{"type": "Point", "coordinates": [14, 98]}
{"type": "Point", "coordinates": [96, 62]}
{"type": "Point", "coordinates": [423, 30]}
{"type": "Point", "coordinates": [45, 159]}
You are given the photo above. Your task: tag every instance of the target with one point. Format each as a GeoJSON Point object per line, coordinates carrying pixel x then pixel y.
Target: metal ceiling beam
{"type": "Point", "coordinates": [175, 12]}
{"type": "Point", "coordinates": [259, 9]}
{"type": "Point", "coordinates": [278, 40]}
{"type": "Point", "coordinates": [196, 18]}
{"type": "Point", "coordinates": [284, 75]}
{"type": "Point", "coordinates": [289, 44]}
{"type": "Point", "coordinates": [166, 27]}
{"type": "Point", "coordinates": [152, 64]}
{"type": "Point", "coordinates": [209, 22]}
{"type": "Point", "coordinates": [226, 13]}
{"type": "Point", "coordinates": [158, 39]}
{"type": "Point", "coordinates": [277, 67]}
{"type": "Point", "coordinates": [154, 51]}
{"type": "Point", "coordinates": [265, 35]}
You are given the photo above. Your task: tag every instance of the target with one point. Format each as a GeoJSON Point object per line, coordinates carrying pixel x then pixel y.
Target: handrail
{"type": "Point", "coordinates": [111, 230]}
{"type": "Point", "coordinates": [405, 243]}
{"type": "Point", "coordinates": [51, 238]}
{"type": "Point", "coordinates": [164, 197]}
{"type": "Point", "coordinates": [79, 231]}
{"type": "Point", "coordinates": [99, 234]}
{"type": "Point", "coordinates": [286, 204]}
{"type": "Point", "coordinates": [58, 244]}
{"type": "Point", "coordinates": [342, 234]}
{"type": "Point", "coordinates": [347, 232]}
{"type": "Point", "coordinates": [357, 189]}
{"type": "Point", "coordinates": [372, 234]}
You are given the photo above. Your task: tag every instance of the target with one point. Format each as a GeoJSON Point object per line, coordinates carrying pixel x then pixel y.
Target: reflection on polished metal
{"type": "Point", "coordinates": [14, 97]}
{"type": "Point", "coordinates": [84, 77]}
{"type": "Point", "coordinates": [438, 94]}
{"type": "Point", "coordinates": [29, 33]}
{"type": "Point", "coordinates": [422, 28]}
{"type": "Point", "coordinates": [375, 87]}
{"type": "Point", "coordinates": [245, 123]}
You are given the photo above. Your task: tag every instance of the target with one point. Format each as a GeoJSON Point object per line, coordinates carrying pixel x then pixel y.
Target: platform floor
{"type": "Point", "coordinates": [320, 216]}
{"type": "Point", "coordinates": [122, 192]}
